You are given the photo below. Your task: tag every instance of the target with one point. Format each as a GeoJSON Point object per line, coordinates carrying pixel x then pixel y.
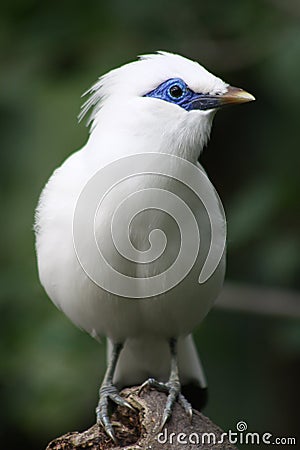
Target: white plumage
{"type": "Point", "coordinates": [126, 122]}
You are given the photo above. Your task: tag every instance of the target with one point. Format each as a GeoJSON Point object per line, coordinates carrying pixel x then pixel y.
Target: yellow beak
{"type": "Point", "coordinates": [234, 96]}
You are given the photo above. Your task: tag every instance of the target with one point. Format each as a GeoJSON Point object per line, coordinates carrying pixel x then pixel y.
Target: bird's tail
{"type": "Point", "coordinates": [145, 358]}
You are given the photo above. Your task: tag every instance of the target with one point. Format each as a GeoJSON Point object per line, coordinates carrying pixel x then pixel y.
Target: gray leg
{"type": "Point", "coordinates": [172, 387]}
{"type": "Point", "coordinates": [108, 392]}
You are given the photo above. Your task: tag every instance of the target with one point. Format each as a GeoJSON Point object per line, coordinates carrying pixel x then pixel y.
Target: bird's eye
{"type": "Point", "coordinates": [176, 91]}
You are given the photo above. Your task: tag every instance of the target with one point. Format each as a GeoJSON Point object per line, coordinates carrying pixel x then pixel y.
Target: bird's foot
{"type": "Point", "coordinates": [172, 389]}
{"type": "Point", "coordinates": [108, 394]}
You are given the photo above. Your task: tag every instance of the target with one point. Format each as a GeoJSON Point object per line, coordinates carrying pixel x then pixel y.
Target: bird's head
{"type": "Point", "coordinates": [165, 100]}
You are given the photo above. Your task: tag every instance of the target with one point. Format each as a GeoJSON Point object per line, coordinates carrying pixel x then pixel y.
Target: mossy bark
{"type": "Point", "coordinates": [139, 429]}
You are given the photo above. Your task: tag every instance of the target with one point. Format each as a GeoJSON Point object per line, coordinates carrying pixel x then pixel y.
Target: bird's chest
{"type": "Point", "coordinates": [141, 225]}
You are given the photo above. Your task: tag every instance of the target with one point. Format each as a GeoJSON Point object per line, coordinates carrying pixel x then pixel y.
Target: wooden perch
{"type": "Point", "coordinates": [139, 429]}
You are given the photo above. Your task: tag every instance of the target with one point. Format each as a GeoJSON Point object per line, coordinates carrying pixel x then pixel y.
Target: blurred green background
{"type": "Point", "coordinates": [51, 52]}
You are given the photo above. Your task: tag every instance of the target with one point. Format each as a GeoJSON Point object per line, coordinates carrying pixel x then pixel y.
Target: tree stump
{"type": "Point", "coordinates": [139, 429]}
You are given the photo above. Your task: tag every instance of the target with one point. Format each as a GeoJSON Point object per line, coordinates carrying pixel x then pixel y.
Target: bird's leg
{"type": "Point", "coordinates": [108, 392]}
{"type": "Point", "coordinates": [175, 388]}
{"type": "Point", "coordinates": [172, 387]}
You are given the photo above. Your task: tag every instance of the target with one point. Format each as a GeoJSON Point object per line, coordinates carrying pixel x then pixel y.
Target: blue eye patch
{"type": "Point", "coordinates": [176, 91]}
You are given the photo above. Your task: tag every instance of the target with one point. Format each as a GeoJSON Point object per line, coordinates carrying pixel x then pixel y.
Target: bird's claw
{"type": "Point", "coordinates": [152, 383]}
{"type": "Point", "coordinates": [172, 389]}
{"type": "Point", "coordinates": [107, 394]}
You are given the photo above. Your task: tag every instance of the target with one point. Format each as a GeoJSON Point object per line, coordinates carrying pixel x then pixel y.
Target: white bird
{"type": "Point", "coordinates": [162, 104]}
